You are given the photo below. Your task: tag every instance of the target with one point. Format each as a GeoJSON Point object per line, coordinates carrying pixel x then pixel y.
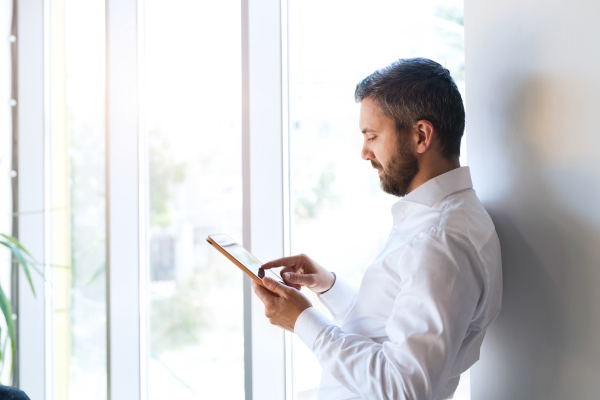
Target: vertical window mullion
{"type": "Point", "coordinates": [263, 183]}
{"type": "Point", "coordinates": [30, 173]}
{"type": "Point", "coordinates": [123, 199]}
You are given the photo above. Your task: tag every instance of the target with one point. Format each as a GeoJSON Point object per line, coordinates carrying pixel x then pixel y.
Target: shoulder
{"type": "Point", "coordinates": [463, 214]}
{"type": "Point", "coordinates": [460, 213]}
{"type": "Point", "coordinates": [452, 233]}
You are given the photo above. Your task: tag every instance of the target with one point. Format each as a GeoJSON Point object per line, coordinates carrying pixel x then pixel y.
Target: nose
{"type": "Point", "coordinates": [366, 153]}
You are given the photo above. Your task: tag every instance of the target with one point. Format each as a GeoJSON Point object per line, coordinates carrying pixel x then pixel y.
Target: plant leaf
{"type": "Point", "coordinates": [6, 308]}
{"type": "Point", "coordinates": [16, 243]}
{"type": "Point", "coordinates": [33, 264]}
{"type": "Point", "coordinates": [3, 355]}
{"type": "Point", "coordinates": [23, 262]}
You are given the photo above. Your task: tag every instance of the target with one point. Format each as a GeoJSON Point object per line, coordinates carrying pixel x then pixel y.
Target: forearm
{"type": "Point", "coordinates": [370, 370]}
{"type": "Point", "coordinates": [367, 368]}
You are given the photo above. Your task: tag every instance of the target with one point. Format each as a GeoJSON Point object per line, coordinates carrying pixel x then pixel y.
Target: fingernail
{"type": "Point", "coordinates": [266, 279]}
{"type": "Point", "coordinates": [286, 275]}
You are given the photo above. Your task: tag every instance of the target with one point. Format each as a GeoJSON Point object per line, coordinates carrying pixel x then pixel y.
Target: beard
{"type": "Point", "coordinates": [401, 170]}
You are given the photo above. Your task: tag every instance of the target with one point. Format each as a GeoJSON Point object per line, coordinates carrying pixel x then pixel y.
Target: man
{"type": "Point", "coordinates": [419, 318]}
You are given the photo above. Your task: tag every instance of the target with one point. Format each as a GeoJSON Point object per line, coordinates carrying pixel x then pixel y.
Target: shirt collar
{"type": "Point", "coordinates": [438, 188]}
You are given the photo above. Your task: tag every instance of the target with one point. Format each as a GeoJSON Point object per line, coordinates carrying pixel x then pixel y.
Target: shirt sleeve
{"type": "Point", "coordinates": [441, 281]}
{"type": "Point", "coordinates": [339, 299]}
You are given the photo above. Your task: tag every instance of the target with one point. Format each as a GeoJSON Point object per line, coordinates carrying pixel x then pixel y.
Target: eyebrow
{"type": "Point", "coordinates": [364, 131]}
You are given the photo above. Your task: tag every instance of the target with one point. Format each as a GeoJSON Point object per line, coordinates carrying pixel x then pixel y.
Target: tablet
{"type": "Point", "coordinates": [241, 257]}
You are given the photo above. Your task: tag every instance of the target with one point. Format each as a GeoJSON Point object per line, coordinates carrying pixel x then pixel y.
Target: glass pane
{"type": "Point", "coordinates": [193, 128]}
{"type": "Point", "coordinates": [335, 194]}
{"type": "Point", "coordinates": [78, 199]}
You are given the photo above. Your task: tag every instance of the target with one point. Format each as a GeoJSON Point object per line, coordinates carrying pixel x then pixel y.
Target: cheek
{"type": "Point", "coordinates": [386, 149]}
{"type": "Point", "coordinates": [381, 154]}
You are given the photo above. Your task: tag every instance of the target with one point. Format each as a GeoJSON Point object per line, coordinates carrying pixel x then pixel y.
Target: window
{"type": "Point", "coordinates": [193, 131]}
{"type": "Point", "coordinates": [78, 233]}
{"type": "Point", "coordinates": [207, 123]}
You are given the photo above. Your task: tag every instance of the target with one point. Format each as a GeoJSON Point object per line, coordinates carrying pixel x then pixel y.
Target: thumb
{"type": "Point", "coordinates": [275, 286]}
{"type": "Point", "coordinates": [300, 279]}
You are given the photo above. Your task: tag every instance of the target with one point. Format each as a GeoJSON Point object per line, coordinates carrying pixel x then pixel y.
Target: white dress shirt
{"type": "Point", "coordinates": [418, 319]}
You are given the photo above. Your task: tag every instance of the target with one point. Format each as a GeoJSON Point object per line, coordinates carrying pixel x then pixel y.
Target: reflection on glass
{"type": "Point", "coordinates": [242, 255]}
{"type": "Point", "coordinates": [78, 199]}
{"type": "Point", "coordinates": [193, 129]}
{"type": "Point", "coordinates": [340, 216]}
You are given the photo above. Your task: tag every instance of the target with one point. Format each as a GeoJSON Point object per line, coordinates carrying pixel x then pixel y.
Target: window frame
{"type": "Point", "coordinates": [32, 122]}
{"type": "Point", "coordinates": [263, 184]}
{"type": "Point", "coordinates": [265, 194]}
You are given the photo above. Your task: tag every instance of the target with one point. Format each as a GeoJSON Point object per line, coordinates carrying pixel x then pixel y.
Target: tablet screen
{"type": "Point", "coordinates": [240, 254]}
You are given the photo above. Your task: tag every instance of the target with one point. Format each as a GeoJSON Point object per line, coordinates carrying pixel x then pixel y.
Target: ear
{"type": "Point", "coordinates": [425, 134]}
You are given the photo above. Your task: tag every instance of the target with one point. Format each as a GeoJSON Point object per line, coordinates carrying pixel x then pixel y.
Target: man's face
{"type": "Point", "coordinates": [389, 152]}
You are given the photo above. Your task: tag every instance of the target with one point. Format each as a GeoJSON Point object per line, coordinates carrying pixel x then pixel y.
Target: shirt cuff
{"type": "Point", "coordinates": [339, 297]}
{"type": "Point", "coordinates": [309, 324]}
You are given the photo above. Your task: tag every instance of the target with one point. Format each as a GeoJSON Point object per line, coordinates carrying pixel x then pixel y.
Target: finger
{"type": "Point", "coordinates": [276, 287]}
{"type": "Point", "coordinates": [297, 287]}
{"type": "Point", "coordinates": [284, 262]}
{"type": "Point", "coordinates": [282, 273]}
{"type": "Point", "coordinates": [263, 294]}
{"type": "Point", "coordinates": [284, 276]}
{"type": "Point", "coordinates": [307, 280]}
{"type": "Point", "coordinates": [296, 269]}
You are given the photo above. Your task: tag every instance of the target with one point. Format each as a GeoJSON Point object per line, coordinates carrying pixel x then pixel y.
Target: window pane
{"type": "Point", "coordinates": [336, 199]}
{"type": "Point", "coordinates": [78, 199]}
{"type": "Point", "coordinates": [193, 128]}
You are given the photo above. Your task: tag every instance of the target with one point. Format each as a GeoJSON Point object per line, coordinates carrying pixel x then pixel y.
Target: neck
{"type": "Point", "coordinates": [430, 168]}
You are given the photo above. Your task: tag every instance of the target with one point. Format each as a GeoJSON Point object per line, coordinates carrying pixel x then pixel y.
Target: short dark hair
{"type": "Point", "coordinates": [412, 89]}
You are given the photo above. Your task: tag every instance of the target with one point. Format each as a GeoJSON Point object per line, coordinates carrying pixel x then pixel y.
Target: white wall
{"type": "Point", "coordinates": [533, 107]}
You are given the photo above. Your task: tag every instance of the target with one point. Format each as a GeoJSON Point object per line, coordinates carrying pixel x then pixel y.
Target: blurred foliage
{"type": "Point", "coordinates": [454, 40]}
{"type": "Point", "coordinates": [165, 171]}
{"type": "Point", "coordinates": [309, 203]}
{"type": "Point", "coordinates": [184, 317]}
{"type": "Point", "coordinates": [85, 212]}
{"type": "Point", "coordinates": [452, 14]}
{"type": "Point", "coordinates": [458, 73]}
{"type": "Point", "coordinates": [178, 320]}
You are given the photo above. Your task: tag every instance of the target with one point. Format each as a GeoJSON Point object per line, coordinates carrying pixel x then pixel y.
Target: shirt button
{"type": "Point", "coordinates": [396, 228]}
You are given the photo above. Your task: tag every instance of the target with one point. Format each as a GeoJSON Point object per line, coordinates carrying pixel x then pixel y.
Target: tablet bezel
{"type": "Point", "coordinates": [241, 266]}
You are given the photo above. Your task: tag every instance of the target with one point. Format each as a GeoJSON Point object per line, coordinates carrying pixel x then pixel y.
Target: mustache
{"type": "Point", "coordinates": [376, 165]}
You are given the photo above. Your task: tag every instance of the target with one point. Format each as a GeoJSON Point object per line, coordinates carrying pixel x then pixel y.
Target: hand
{"type": "Point", "coordinates": [300, 271]}
{"type": "Point", "coordinates": [283, 304]}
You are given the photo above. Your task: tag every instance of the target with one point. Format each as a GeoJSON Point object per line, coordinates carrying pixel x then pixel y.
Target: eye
{"type": "Point", "coordinates": [372, 138]}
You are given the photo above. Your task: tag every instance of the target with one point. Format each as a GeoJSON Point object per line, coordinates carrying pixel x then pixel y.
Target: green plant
{"type": "Point", "coordinates": [25, 260]}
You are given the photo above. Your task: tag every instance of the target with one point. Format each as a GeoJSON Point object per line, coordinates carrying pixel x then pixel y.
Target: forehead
{"type": "Point", "coordinates": [371, 116]}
